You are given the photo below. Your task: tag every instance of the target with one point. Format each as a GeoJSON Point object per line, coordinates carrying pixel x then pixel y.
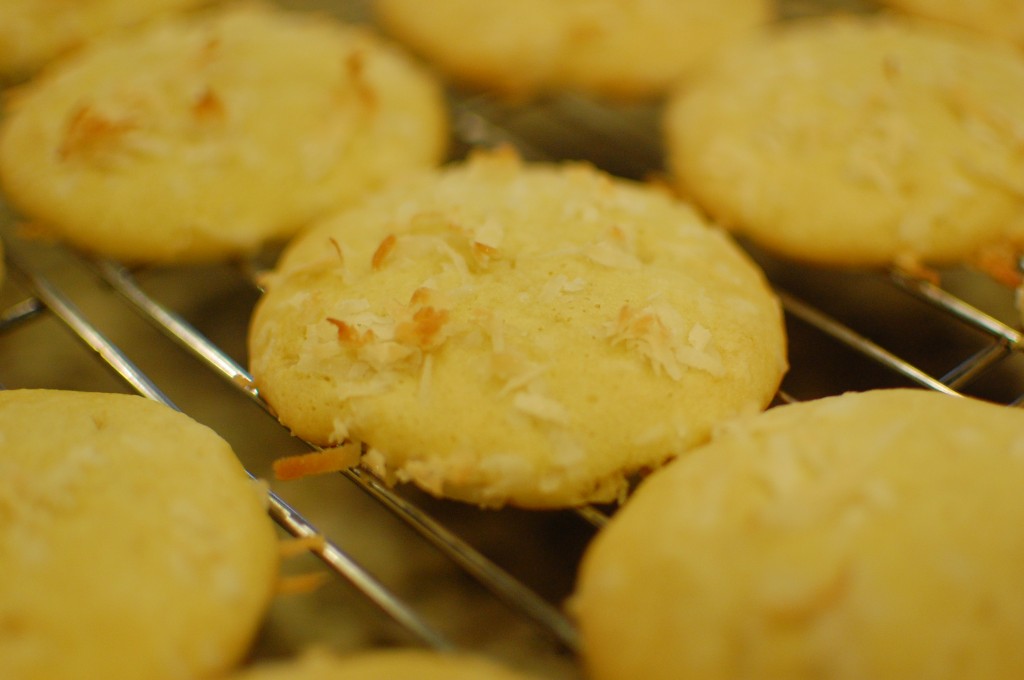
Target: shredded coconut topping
{"type": "Point", "coordinates": [541, 407]}
{"type": "Point", "coordinates": [560, 284]}
{"type": "Point", "coordinates": [657, 332]}
{"type": "Point", "coordinates": [384, 343]}
{"type": "Point", "coordinates": [611, 254]}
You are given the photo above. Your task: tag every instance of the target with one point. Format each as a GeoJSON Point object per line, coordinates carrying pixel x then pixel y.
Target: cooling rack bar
{"type": "Point", "coordinates": [489, 574]}
{"type": "Point", "coordinates": [951, 304]}
{"type": "Point", "coordinates": [975, 365]}
{"type": "Point", "coordinates": [474, 129]}
{"type": "Point", "coordinates": [342, 564]}
{"type": "Point", "coordinates": [486, 572]}
{"type": "Point", "coordinates": [20, 312]}
{"type": "Point", "coordinates": [87, 333]}
{"type": "Point", "coordinates": [285, 516]}
{"type": "Point", "coordinates": [858, 342]}
{"type": "Point", "coordinates": [121, 280]}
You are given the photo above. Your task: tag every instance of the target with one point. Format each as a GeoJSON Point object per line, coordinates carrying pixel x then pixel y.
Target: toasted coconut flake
{"type": "Point", "coordinates": [318, 462]}
{"type": "Point", "coordinates": [209, 108]}
{"type": "Point", "coordinates": [657, 333]}
{"type": "Point", "coordinates": [424, 330]}
{"type": "Point", "coordinates": [291, 547]}
{"type": "Point", "coordinates": [338, 250]}
{"type": "Point", "coordinates": [349, 335]}
{"type": "Point", "coordinates": [483, 254]}
{"type": "Point", "coordinates": [421, 296]}
{"type": "Point", "coordinates": [89, 131]}
{"type": "Point", "coordinates": [355, 68]}
{"type": "Point", "coordinates": [301, 584]}
{"type": "Point", "coordinates": [1001, 263]}
{"type": "Point", "coordinates": [383, 250]}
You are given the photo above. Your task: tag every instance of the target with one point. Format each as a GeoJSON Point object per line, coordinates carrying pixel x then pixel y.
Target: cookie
{"type": "Point", "coordinates": [132, 542]}
{"type": "Point", "coordinates": [36, 31]}
{"type": "Point", "coordinates": [382, 665]}
{"type": "Point", "coordinates": [997, 18]}
{"type": "Point", "coordinates": [856, 141]}
{"type": "Point", "coordinates": [604, 47]}
{"type": "Point", "coordinates": [871, 535]}
{"type": "Point", "coordinates": [501, 332]}
{"type": "Point", "coordinates": [207, 136]}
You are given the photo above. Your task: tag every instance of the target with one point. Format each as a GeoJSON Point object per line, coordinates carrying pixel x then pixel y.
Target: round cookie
{"type": "Point", "coordinates": [132, 543]}
{"type": "Point", "coordinates": [204, 137]}
{"type": "Point", "coordinates": [997, 18]}
{"type": "Point", "coordinates": [604, 47]}
{"type": "Point", "coordinates": [382, 665]}
{"type": "Point", "coordinates": [872, 535]}
{"type": "Point", "coordinates": [502, 332]}
{"type": "Point", "coordinates": [856, 141]}
{"type": "Point", "coordinates": [36, 31]}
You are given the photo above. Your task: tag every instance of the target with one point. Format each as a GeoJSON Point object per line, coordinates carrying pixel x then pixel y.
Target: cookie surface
{"type": "Point", "coordinates": [998, 18]}
{"type": "Point", "coordinates": [809, 541]}
{"type": "Point", "coordinates": [856, 141]}
{"type": "Point", "coordinates": [383, 665]}
{"type": "Point", "coordinates": [133, 544]}
{"type": "Point", "coordinates": [606, 47]}
{"type": "Point", "coordinates": [509, 333]}
{"type": "Point", "coordinates": [207, 136]}
{"type": "Point", "coordinates": [36, 31]}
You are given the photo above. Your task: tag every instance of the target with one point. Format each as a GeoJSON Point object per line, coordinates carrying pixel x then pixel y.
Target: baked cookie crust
{"type": "Point", "coordinates": [871, 535]}
{"type": "Point", "coordinates": [503, 332]}
{"type": "Point", "coordinates": [623, 50]}
{"type": "Point", "coordinates": [132, 543]}
{"type": "Point", "coordinates": [207, 136]}
{"type": "Point", "coordinates": [857, 141]}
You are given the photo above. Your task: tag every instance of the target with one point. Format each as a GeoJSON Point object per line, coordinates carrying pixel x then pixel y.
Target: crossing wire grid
{"type": "Point", "coordinates": [410, 569]}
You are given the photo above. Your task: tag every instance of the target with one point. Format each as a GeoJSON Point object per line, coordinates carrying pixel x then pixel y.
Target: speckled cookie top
{"type": "Point", "coordinates": [510, 333]}
{"type": "Point", "coordinates": [126, 523]}
{"type": "Point", "coordinates": [37, 31]}
{"type": "Point", "coordinates": [604, 47]}
{"type": "Point", "coordinates": [808, 541]}
{"type": "Point", "coordinates": [206, 136]}
{"type": "Point", "coordinates": [857, 141]}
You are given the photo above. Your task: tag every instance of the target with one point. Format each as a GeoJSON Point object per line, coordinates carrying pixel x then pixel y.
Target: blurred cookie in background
{"type": "Point", "coordinates": [601, 47]}
{"type": "Point", "coordinates": [206, 136]}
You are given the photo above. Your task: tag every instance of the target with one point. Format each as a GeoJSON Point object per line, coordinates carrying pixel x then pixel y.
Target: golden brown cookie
{"type": "Point", "coordinates": [205, 137]}
{"type": "Point", "coordinates": [997, 18]}
{"type": "Point", "coordinates": [604, 47]}
{"type": "Point", "coordinates": [383, 665]}
{"type": "Point", "coordinates": [872, 535]}
{"type": "Point", "coordinates": [856, 141]}
{"type": "Point", "coordinates": [503, 332]}
{"type": "Point", "coordinates": [132, 543]}
{"type": "Point", "coordinates": [36, 31]}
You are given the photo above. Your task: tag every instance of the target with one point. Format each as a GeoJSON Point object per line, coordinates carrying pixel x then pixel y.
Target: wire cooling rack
{"type": "Point", "coordinates": [412, 569]}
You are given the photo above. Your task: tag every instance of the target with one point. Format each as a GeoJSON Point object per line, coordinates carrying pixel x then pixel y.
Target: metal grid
{"type": "Point", "coordinates": [177, 336]}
